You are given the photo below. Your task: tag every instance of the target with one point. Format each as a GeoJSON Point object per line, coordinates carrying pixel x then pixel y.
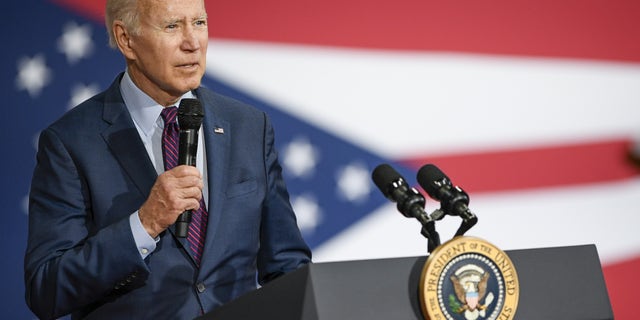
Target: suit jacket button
{"type": "Point", "coordinates": [200, 287]}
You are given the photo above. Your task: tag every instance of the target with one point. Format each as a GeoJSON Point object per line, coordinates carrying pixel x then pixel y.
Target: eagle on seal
{"type": "Point", "coordinates": [470, 292]}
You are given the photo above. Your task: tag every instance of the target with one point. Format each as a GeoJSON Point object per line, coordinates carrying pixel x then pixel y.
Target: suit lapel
{"type": "Point", "coordinates": [217, 139]}
{"type": "Point", "coordinates": [123, 140]}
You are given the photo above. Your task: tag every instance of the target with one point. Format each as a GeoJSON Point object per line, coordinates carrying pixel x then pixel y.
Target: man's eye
{"type": "Point", "coordinates": [201, 22]}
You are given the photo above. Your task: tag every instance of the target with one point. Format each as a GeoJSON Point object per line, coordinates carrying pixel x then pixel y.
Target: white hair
{"type": "Point", "coordinates": [125, 11]}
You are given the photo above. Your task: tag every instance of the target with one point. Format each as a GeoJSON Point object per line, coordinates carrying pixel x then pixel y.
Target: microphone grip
{"type": "Point", "coordinates": [188, 146]}
{"type": "Point", "coordinates": [182, 224]}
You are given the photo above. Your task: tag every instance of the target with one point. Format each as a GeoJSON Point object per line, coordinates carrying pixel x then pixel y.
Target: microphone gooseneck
{"type": "Point", "coordinates": [409, 201]}
{"type": "Point", "coordinates": [453, 200]}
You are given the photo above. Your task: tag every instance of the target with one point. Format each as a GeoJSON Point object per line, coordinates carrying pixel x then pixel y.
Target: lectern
{"type": "Point", "coordinates": [555, 283]}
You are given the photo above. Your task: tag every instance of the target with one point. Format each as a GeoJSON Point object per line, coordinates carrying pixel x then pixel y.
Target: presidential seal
{"type": "Point", "coordinates": [468, 278]}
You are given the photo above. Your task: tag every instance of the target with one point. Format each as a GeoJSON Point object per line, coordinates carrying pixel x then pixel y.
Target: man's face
{"type": "Point", "coordinates": [169, 53]}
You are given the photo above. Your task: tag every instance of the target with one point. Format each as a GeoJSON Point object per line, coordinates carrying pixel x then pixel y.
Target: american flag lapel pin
{"type": "Point", "coordinates": [218, 130]}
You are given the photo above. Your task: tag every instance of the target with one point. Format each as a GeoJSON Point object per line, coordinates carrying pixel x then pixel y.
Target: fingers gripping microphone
{"type": "Point", "coordinates": [453, 200]}
{"type": "Point", "coordinates": [409, 201]}
{"type": "Point", "coordinates": [190, 116]}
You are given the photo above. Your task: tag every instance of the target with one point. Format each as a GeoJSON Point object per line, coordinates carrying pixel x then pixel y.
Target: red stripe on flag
{"type": "Point", "coordinates": [591, 29]}
{"type": "Point", "coordinates": [93, 9]}
{"type": "Point", "coordinates": [622, 281]}
{"type": "Point", "coordinates": [535, 167]}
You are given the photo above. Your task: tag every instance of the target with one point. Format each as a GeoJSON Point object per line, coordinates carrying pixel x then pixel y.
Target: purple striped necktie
{"type": "Point", "coordinates": [170, 137]}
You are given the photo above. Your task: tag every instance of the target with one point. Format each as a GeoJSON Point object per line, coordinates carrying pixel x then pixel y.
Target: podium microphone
{"type": "Point", "coordinates": [190, 114]}
{"type": "Point", "coordinates": [453, 200]}
{"type": "Point", "coordinates": [634, 153]}
{"type": "Point", "coordinates": [409, 201]}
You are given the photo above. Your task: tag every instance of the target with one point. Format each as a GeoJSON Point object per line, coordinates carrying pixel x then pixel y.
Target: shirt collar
{"type": "Point", "coordinates": [144, 110]}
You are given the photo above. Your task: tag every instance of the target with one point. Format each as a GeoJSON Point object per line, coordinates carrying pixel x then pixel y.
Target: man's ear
{"type": "Point", "coordinates": [123, 39]}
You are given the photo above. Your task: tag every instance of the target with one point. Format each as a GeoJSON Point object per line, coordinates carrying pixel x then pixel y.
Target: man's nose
{"type": "Point", "coordinates": [190, 39]}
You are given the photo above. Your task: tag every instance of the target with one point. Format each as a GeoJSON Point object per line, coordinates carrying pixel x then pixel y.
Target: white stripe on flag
{"type": "Point", "coordinates": [395, 103]}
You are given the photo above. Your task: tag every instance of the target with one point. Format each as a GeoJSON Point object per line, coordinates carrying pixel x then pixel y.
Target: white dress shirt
{"type": "Point", "coordinates": [145, 113]}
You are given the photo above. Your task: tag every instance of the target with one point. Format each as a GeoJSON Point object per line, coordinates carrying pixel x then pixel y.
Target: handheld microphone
{"type": "Point", "coordinates": [190, 114]}
{"type": "Point", "coordinates": [453, 200]}
{"type": "Point", "coordinates": [409, 201]}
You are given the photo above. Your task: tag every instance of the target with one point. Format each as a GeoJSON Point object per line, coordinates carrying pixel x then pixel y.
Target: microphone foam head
{"type": "Point", "coordinates": [383, 175]}
{"type": "Point", "coordinates": [427, 176]}
{"type": "Point", "coordinates": [190, 114]}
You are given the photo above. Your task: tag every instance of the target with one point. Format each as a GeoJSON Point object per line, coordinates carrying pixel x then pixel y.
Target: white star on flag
{"type": "Point", "coordinates": [353, 182]}
{"type": "Point", "coordinates": [300, 157]}
{"type": "Point", "coordinates": [81, 92]}
{"type": "Point", "coordinates": [33, 75]}
{"type": "Point", "coordinates": [75, 42]}
{"type": "Point", "coordinates": [307, 212]}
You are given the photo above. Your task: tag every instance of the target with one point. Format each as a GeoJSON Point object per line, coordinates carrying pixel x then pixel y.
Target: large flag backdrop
{"type": "Point", "coordinates": [532, 107]}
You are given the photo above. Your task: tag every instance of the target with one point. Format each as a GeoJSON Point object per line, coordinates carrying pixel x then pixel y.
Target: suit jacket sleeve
{"type": "Point", "coordinates": [68, 265]}
{"type": "Point", "coordinates": [282, 248]}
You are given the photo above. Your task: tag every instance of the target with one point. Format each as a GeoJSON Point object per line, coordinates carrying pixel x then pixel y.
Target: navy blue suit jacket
{"type": "Point", "coordinates": [93, 171]}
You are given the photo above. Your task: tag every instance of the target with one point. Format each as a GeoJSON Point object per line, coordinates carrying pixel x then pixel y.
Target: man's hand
{"type": "Point", "coordinates": [174, 191]}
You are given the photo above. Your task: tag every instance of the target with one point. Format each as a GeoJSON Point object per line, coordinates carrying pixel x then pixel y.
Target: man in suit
{"type": "Point", "coordinates": [102, 205]}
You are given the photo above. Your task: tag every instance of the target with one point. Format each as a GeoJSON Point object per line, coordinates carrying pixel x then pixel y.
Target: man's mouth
{"type": "Point", "coordinates": [188, 65]}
